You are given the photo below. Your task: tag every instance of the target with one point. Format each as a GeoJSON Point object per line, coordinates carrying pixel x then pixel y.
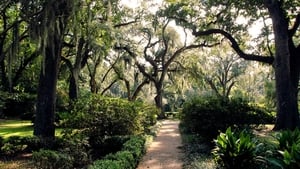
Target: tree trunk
{"type": "Point", "coordinates": [158, 103]}
{"type": "Point", "coordinates": [93, 84]}
{"type": "Point", "coordinates": [287, 106]}
{"type": "Point", "coordinates": [75, 70]}
{"type": "Point", "coordinates": [73, 85]}
{"type": "Point", "coordinates": [4, 78]}
{"type": "Point", "coordinates": [45, 117]}
{"type": "Point", "coordinates": [56, 18]}
{"type": "Point", "coordinates": [159, 99]}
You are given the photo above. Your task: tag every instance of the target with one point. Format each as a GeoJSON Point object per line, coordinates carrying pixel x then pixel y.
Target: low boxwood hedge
{"type": "Point", "coordinates": [128, 157]}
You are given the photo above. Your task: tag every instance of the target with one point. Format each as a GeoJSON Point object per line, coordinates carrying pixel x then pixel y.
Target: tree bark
{"type": "Point", "coordinates": [75, 70]}
{"type": "Point", "coordinates": [159, 99]}
{"type": "Point", "coordinates": [74, 85]}
{"type": "Point", "coordinates": [287, 105]}
{"type": "Point", "coordinates": [55, 19]}
{"type": "Point", "coordinates": [45, 112]}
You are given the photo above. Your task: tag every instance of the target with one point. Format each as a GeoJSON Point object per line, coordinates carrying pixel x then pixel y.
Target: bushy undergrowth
{"type": "Point", "coordinates": [50, 159]}
{"type": "Point", "coordinates": [209, 115]}
{"type": "Point", "coordinates": [74, 153]}
{"type": "Point", "coordinates": [101, 116]}
{"type": "Point", "coordinates": [14, 145]}
{"type": "Point", "coordinates": [96, 128]}
{"type": "Point", "coordinates": [128, 157]}
{"type": "Point", "coordinates": [102, 146]}
{"type": "Point", "coordinates": [17, 104]}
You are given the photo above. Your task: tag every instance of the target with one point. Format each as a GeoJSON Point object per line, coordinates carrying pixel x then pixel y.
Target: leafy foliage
{"type": "Point", "coordinates": [77, 147]}
{"type": "Point", "coordinates": [100, 116]}
{"type": "Point", "coordinates": [12, 146]}
{"type": "Point", "coordinates": [16, 104]}
{"type": "Point", "coordinates": [128, 158]}
{"type": "Point", "coordinates": [49, 159]}
{"type": "Point", "coordinates": [288, 149]}
{"type": "Point", "coordinates": [102, 146]}
{"type": "Point", "coordinates": [209, 115]}
{"type": "Point", "coordinates": [235, 150]}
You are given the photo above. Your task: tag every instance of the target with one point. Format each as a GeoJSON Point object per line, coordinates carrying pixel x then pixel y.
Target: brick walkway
{"type": "Point", "coordinates": [164, 152]}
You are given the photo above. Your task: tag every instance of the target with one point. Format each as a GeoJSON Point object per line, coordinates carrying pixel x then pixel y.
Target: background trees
{"type": "Point", "coordinates": [218, 69]}
{"type": "Point", "coordinates": [218, 19]}
{"type": "Point", "coordinates": [48, 27]}
{"type": "Point", "coordinates": [146, 52]}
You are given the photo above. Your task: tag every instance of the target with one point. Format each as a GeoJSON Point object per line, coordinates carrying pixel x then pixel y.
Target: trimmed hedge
{"type": "Point", "coordinates": [207, 116]}
{"type": "Point", "coordinates": [102, 116]}
{"type": "Point", "coordinates": [127, 158]}
{"type": "Point", "coordinates": [49, 159]}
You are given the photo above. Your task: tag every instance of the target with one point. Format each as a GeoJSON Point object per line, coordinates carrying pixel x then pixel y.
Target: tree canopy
{"type": "Point", "coordinates": [278, 43]}
{"type": "Point", "coordinates": [109, 48]}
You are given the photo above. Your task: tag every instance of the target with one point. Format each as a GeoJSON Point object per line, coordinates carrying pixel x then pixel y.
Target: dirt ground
{"type": "Point", "coordinates": [164, 152]}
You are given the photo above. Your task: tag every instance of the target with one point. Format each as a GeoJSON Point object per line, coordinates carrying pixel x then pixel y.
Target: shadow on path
{"type": "Point", "coordinates": [164, 152]}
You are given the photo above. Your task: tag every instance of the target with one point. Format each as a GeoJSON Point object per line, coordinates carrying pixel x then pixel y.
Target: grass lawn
{"type": "Point", "coordinates": [10, 128]}
{"type": "Point", "coordinates": [15, 128]}
{"type": "Point", "coordinates": [18, 128]}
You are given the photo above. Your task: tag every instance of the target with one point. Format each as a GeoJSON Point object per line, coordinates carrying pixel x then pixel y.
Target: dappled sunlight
{"type": "Point", "coordinates": [164, 152]}
{"type": "Point", "coordinates": [14, 123]}
{"type": "Point", "coordinates": [10, 128]}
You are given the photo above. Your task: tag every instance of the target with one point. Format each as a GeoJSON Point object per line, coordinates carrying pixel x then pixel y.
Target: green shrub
{"type": "Point", "coordinates": [12, 146]}
{"type": "Point", "coordinates": [235, 150]}
{"type": "Point", "coordinates": [73, 146]}
{"type": "Point", "coordinates": [76, 146]}
{"type": "Point", "coordinates": [127, 158]}
{"type": "Point", "coordinates": [17, 144]}
{"type": "Point", "coordinates": [288, 149]}
{"type": "Point", "coordinates": [105, 164]}
{"type": "Point", "coordinates": [136, 145]}
{"type": "Point", "coordinates": [102, 146]}
{"type": "Point", "coordinates": [18, 104]}
{"type": "Point", "coordinates": [207, 116]}
{"type": "Point", "coordinates": [33, 143]}
{"type": "Point", "coordinates": [100, 116]}
{"type": "Point", "coordinates": [49, 159]}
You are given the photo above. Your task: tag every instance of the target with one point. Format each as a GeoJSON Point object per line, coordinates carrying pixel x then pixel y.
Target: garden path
{"type": "Point", "coordinates": [164, 152]}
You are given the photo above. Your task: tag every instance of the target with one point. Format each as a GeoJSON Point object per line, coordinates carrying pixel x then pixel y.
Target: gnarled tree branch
{"type": "Point", "coordinates": [235, 45]}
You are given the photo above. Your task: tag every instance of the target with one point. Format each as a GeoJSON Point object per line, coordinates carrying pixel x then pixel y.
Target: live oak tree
{"type": "Point", "coordinates": [89, 40]}
{"type": "Point", "coordinates": [16, 50]}
{"type": "Point", "coordinates": [161, 46]}
{"type": "Point", "coordinates": [217, 69]}
{"type": "Point", "coordinates": [218, 19]}
{"type": "Point", "coordinates": [48, 21]}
